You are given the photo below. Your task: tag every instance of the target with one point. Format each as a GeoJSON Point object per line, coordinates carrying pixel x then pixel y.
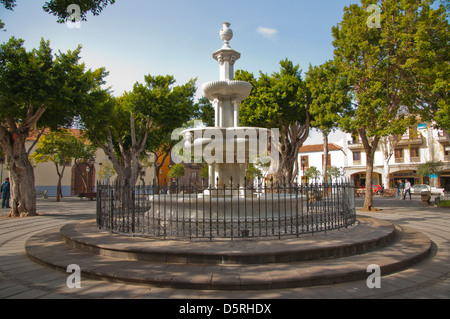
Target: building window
{"type": "Point", "coordinates": [399, 155]}
{"type": "Point", "coordinates": [357, 158]}
{"type": "Point", "coordinates": [447, 153]}
{"type": "Point", "coordinates": [304, 162]}
{"type": "Point", "coordinates": [415, 154]}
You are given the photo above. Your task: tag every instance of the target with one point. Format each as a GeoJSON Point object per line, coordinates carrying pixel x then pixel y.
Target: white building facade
{"type": "Point", "coordinates": [395, 160]}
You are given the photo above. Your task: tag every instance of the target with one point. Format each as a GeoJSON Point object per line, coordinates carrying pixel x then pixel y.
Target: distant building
{"type": "Point", "coordinates": [75, 180]}
{"type": "Point", "coordinates": [312, 155]}
{"type": "Point", "coordinates": [420, 144]}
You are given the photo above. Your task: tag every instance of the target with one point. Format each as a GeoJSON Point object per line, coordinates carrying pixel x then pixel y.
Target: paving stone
{"type": "Point", "coordinates": [431, 275]}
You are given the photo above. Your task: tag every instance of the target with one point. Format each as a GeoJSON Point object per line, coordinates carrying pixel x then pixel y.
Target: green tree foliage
{"type": "Point", "coordinates": [334, 172]}
{"type": "Point", "coordinates": [106, 171]}
{"type": "Point", "coordinates": [389, 69]}
{"type": "Point", "coordinates": [205, 112]}
{"type": "Point", "coordinates": [58, 8]}
{"type": "Point", "coordinates": [433, 65]}
{"type": "Point", "coordinates": [38, 90]}
{"type": "Point", "coordinates": [176, 171]}
{"type": "Point", "coordinates": [312, 173]}
{"type": "Point", "coordinates": [138, 122]}
{"type": "Point", "coordinates": [279, 101]}
{"type": "Point", "coordinates": [253, 172]}
{"type": "Point", "coordinates": [60, 147]}
{"type": "Point", "coordinates": [430, 168]}
{"type": "Point", "coordinates": [330, 101]}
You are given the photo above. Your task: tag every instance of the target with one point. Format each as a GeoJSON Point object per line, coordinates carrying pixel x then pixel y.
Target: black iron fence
{"type": "Point", "coordinates": [197, 212]}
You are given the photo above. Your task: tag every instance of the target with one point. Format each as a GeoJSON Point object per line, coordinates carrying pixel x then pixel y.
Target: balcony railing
{"type": "Point", "coordinates": [354, 145]}
{"type": "Point", "coordinates": [410, 140]}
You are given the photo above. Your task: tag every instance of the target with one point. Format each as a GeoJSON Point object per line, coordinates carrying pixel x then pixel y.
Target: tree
{"type": "Point", "coordinates": [329, 102]}
{"type": "Point", "coordinates": [387, 68]}
{"type": "Point", "coordinates": [205, 112]}
{"type": "Point", "coordinates": [312, 173]}
{"type": "Point", "coordinates": [279, 101]}
{"type": "Point", "coordinates": [60, 147]}
{"type": "Point", "coordinates": [388, 144]}
{"type": "Point", "coordinates": [137, 122]}
{"type": "Point", "coordinates": [433, 67]}
{"type": "Point", "coordinates": [334, 172]}
{"type": "Point", "coordinates": [37, 90]}
{"type": "Point", "coordinates": [55, 147]}
{"type": "Point", "coordinates": [59, 8]}
{"type": "Point", "coordinates": [253, 172]}
{"type": "Point", "coordinates": [176, 171]}
{"type": "Point", "coordinates": [106, 172]}
{"type": "Point", "coordinates": [430, 168]}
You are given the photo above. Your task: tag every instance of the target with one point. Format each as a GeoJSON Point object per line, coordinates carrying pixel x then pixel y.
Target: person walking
{"type": "Point", "coordinates": [399, 188]}
{"type": "Point", "coordinates": [6, 193]}
{"type": "Point", "coordinates": [407, 190]}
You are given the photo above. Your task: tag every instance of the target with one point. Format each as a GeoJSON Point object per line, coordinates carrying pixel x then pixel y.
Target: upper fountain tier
{"type": "Point", "coordinates": [232, 145]}
{"type": "Point", "coordinates": [235, 90]}
{"type": "Point", "coordinates": [226, 94]}
{"type": "Point", "coordinates": [226, 56]}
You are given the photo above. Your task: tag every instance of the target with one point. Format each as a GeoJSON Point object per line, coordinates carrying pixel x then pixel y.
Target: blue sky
{"type": "Point", "coordinates": [133, 38]}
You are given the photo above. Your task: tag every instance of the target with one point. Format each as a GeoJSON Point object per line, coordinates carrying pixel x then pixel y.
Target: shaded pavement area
{"type": "Point", "coordinates": [21, 278]}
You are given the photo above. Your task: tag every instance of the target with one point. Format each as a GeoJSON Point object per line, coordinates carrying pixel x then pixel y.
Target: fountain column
{"type": "Point", "coordinates": [226, 94]}
{"type": "Point", "coordinates": [227, 147]}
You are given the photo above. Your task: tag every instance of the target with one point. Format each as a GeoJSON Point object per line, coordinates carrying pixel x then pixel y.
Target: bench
{"type": "Point", "coordinates": [360, 192]}
{"type": "Point", "coordinates": [42, 193]}
{"type": "Point", "coordinates": [91, 196]}
{"type": "Point", "coordinates": [389, 192]}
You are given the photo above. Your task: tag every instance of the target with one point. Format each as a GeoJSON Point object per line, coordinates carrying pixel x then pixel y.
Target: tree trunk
{"type": "Point", "coordinates": [325, 157]}
{"type": "Point", "coordinates": [23, 195]}
{"type": "Point", "coordinates": [291, 139]}
{"type": "Point", "coordinates": [368, 201]}
{"type": "Point", "coordinates": [58, 187]}
{"type": "Point", "coordinates": [370, 148]}
{"type": "Point", "coordinates": [386, 177]}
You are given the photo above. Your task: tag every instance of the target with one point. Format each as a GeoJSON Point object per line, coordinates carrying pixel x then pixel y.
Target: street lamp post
{"type": "Point", "coordinates": [303, 166]}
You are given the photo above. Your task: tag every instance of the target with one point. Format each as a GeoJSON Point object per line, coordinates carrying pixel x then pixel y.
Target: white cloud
{"type": "Point", "coordinates": [268, 33]}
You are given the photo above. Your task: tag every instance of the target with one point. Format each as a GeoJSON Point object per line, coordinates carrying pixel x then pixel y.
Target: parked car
{"type": "Point", "coordinates": [417, 189]}
{"type": "Point", "coordinates": [377, 189]}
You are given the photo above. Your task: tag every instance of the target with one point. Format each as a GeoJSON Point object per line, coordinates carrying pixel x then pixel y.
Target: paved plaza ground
{"type": "Point", "coordinates": [21, 278]}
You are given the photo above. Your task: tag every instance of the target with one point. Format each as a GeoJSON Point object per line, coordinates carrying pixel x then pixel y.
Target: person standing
{"type": "Point", "coordinates": [399, 188]}
{"type": "Point", "coordinates": [6, 193]}
{"type": "Point", "coordinates": [407, 190]}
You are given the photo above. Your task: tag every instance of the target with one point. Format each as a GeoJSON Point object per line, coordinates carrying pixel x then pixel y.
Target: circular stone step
{"type": "Point", "coordinates": [407, 247]}
{"type": "Point", "coordinates": [367, 235]}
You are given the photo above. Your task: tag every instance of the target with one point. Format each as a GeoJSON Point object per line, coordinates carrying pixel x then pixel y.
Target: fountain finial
{"type": "Point", "coordinates": [226, 34]}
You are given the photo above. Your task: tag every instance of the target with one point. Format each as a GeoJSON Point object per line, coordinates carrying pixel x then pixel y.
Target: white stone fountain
{"type": "Point", "coordinates": [227, 147]}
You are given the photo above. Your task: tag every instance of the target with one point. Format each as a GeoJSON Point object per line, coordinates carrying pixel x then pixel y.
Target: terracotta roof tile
{"type": "Point", "coordinates": [319, 148]}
